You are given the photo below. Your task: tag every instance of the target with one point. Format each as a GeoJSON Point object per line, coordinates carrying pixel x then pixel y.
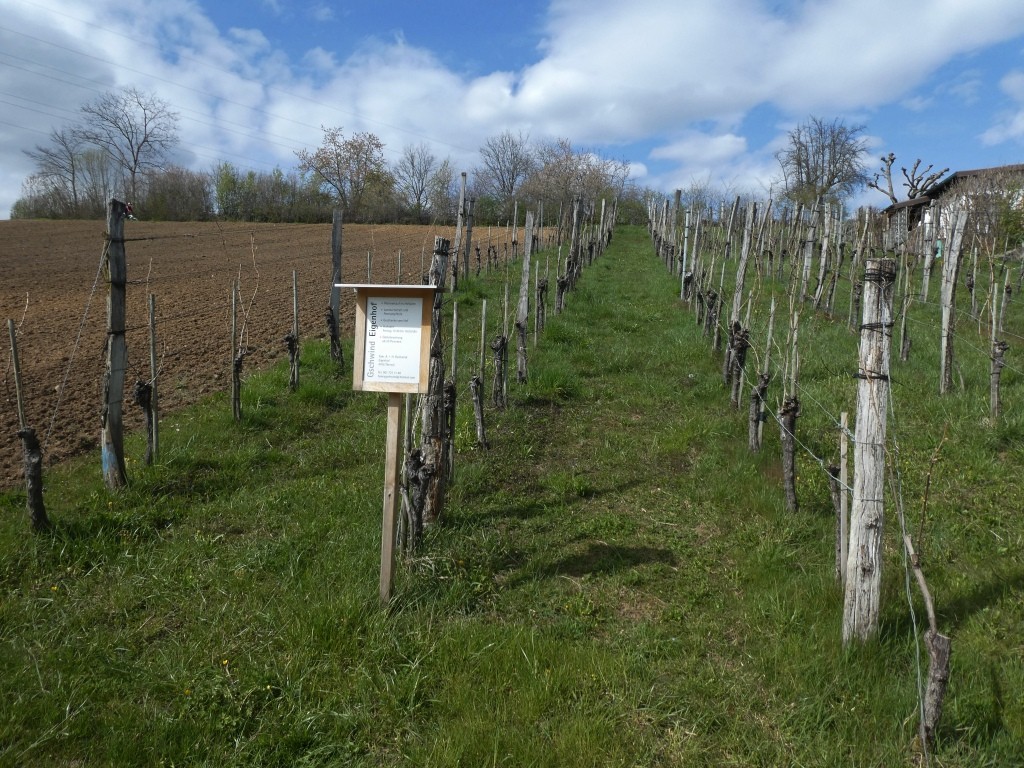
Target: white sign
{"type": "Point", "coordinates": [393, 339]}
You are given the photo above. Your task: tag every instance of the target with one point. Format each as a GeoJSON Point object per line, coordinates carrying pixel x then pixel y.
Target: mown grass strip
{"type": "Point", "coordinates": [615, 582]}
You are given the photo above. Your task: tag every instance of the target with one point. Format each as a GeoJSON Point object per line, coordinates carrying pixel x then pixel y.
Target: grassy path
{"type": "Point", "coordinates": [615, 583]}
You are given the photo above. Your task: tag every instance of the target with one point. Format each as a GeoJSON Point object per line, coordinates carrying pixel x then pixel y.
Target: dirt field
{"type": "Point", "coordinates": [52, 288]}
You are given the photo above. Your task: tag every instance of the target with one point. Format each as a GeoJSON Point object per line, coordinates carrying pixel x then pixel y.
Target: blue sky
{"type": "Point", "coordinates": [686, 91]}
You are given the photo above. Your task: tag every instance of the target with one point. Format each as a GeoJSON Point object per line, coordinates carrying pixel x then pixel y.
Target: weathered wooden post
{"type": "Point", "coordinates": [950, 272]}
{"type": "Point", "coordinates": [500, 349]}
{"type": "Point", "coordinates": [995, 404]}
{"type": "Point", "coordinates": [523, 309]}
{"type": "Point", "coordinates": [864, 560]}
{"type": "Point", "coordinates": [111, 420]}
{"type": "Point", "coordinates": [905, 312]}
{"type": "Point", "coordinates": [433, 403]}
{"type": "Point", "coordinates": [459, 224]}
{"type": "Point", "coordinates": [32, 453]}
{"type": "Point", "coordinates": [471, 203]}
{"type": "Point", "coordinates": [766, 369]}
{"type": "Point", "coordinates": [1007, 294]}
{"type": "Point", "coordinates": [291, 340]}
{"type": "Point", "coordinates": [145, 392]}
{"type": "Point", "coordinates": [333, 316]}
{"type": "Point", "coordinates": [450, 399]}
{"type": "Point", "coordinates": [825, 258]}
{"type": "Point", "coordinates": [844, 500]}
{"type": "Point", "coordinates": [237, 357]}
{"type": "Point", "coordinates": [483, 342]}
{"type": "Point", "coordinates": [788, 416]}
{"type": "Point", "coordinates": [810, 241]}
{"type": "Point", "coordinates": [574, 258]}
{"type": "Point", "coordinates": [929, 249]}
{"type": "Point", "coordinates": [476, 390]}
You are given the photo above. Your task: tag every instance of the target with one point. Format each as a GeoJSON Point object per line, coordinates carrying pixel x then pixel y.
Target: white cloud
{"type": "Point", "coordinates": [702, 148]}
{"type": "Point", "coordinates": [1012, 85]}
{"type": "Point", "coordinates": [321, 13]}
{"type": "Point", "coordinates": [607, 74]}
{"type": "Point", "coordinates": [917, 103]}
{"type": "Point", "coordinates": [1010, 125]}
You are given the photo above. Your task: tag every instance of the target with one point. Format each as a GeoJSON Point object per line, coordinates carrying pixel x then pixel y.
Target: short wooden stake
{"type": "Point", "coordinates": [292, 339]}
{"type": "Point", "coordinates": [476, 389]}
{"type": "Point", "coordinates": [237, 357]}
{"type": "Point", "coordinates": [32, 453]}
{"type": "Point", "coordinates": [153, 449]}
{"type": "Point", "coordinates": [995, 403]}
{"type": "Point", "coordinates": [498, 389]}
{"type": "Point", "coordinates": [483, 340]}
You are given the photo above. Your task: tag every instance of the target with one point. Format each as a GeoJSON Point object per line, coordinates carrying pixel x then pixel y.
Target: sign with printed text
{"type": "Point", "coordinates": [392, 344]}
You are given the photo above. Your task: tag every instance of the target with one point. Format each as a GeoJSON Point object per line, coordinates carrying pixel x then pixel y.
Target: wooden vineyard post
{"type": "Point", "coordinates": [788, 416]}
{"type": "Point", "coordinates": [523, 309]}
{"type": "Point", "coordinates": [844, 500]}
{"type": "Point", "coordinates": [995, 404]}
{"type": "Point", "coordinates": [460, 223]}
{"type": "Point", "coordinates": [450, 397]}
{"type": "Point", "coordinates": [237, 357]}
{"type": "Point", "coordinates": [950, 273]}
{"type": "Point", "coordinates": [864, 560]}
{"type": "Point", "coordinates": [433, 403]}
{"type": "Point", "coordinates": [291, 340]}
{"type": "Point", "coordinates": [476, 390]}
{"type": "Point", "coordinates": [470, 204]}
{"type": "Point", "coordinates": [500, 349]}
{"type": "Point", "coordinates": [31, 451]}
{"type": "Point", "coordinates": [765, 371]}
{"type": "Point", "coordinates": [111, 419]}
{"type": "Point", "coordinates": [153, 448]}
{"type": "Point", "coordinates": [334, 309]}
{"type": "Point", "coordinates": [809, 242]}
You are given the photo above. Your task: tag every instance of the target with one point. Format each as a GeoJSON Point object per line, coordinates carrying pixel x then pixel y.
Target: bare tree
{"type": "Point", "coordinates": [506, 161]}
{"type": "Point", "coordinates": [57, 167]}
{"type": "Point", "coordinates": [823, 159]}
{"type": "Point", "coordinates": [353, 169]}
{"type": "Point", "coordinates": [917, 182]}
{"type": "Point", "coordinates": [136, 130]}
{"type": "Point", "coordinates": [561, 172]}
{"type": "Point", "coordinates": [441, 194]}
{"type": "Point", "coordinates": [413, 173]}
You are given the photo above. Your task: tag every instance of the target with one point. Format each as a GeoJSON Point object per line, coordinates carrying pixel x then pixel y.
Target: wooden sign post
{"type": "Point", "coordinates": [392, 353]}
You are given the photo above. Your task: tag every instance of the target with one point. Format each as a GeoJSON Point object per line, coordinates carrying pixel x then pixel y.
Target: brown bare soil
{"type": "Point", "coordinates": [53, 290]}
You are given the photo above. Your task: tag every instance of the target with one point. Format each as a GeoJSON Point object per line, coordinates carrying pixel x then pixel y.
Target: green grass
{"type": "Point", "coordinates": [615, 583]}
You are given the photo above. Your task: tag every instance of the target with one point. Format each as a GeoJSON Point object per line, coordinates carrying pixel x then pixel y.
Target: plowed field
{"type": "Point", "coordinates": [53, 290]}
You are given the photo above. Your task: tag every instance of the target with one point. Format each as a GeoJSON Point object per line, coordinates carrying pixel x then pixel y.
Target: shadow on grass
{"type": "Point", "coordinates": [600, 558]}
{"type": "Point", "coordinates": [952, 614]}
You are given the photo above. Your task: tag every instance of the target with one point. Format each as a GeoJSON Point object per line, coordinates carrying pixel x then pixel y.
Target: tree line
{"type": "Point", "coordinates": [126, 144]}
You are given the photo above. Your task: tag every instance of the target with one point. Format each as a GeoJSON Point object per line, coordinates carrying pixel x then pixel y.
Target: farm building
{"type": "Point", "coordinates": [988, 193]}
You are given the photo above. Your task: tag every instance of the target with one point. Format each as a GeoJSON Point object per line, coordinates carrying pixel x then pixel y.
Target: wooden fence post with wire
{"type": "Point", "coordinates": [864, 565]}
{"type": "Point", "coordinates": [111, 414]}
